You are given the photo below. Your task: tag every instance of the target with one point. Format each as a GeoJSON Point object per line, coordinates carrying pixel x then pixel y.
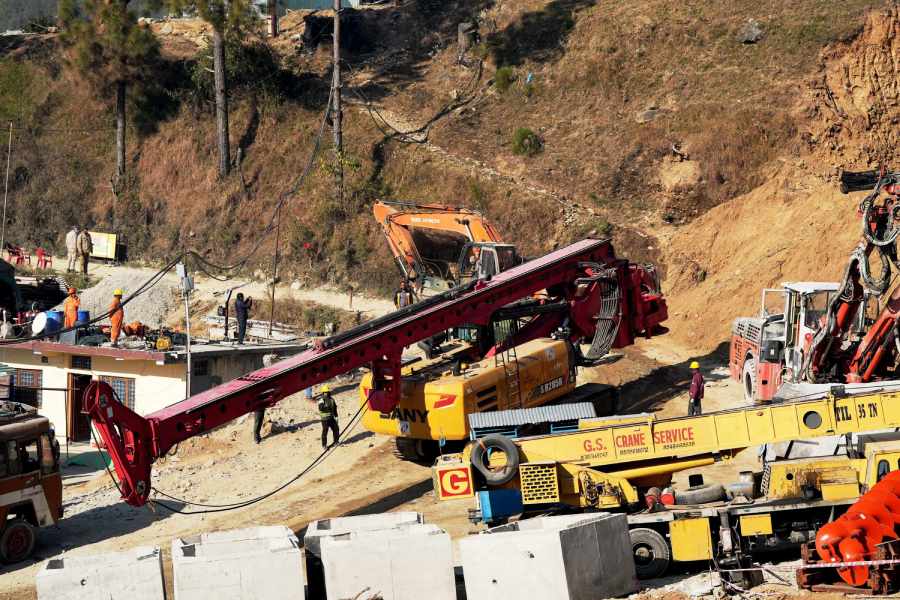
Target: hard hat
{"type": "Point", "coordinates": [72, 291]}
{"type": "Point", "coordinates": [695, 365]}
{"type": "Point", "coordinates": [118, 292]}
{"type": "Point", "coordinates": [325, 389]}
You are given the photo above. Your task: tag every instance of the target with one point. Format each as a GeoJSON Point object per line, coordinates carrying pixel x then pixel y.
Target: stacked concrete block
{"type": "Point", "coordinates": [409, 562]}
{"type": "Point", "coordinates": [569, 557]}
{"type": "Point", "coordinates": [327, 528]}
{"type": "Point", "coordinates": [243, 564]}
{"type": "Point", "coordinates": [134, 574]}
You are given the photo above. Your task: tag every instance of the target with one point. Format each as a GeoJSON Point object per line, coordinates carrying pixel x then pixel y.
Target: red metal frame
{"type": "Point", "coordinates": [134, 442]}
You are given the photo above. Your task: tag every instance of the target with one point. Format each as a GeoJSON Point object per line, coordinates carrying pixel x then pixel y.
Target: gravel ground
{"type": "Point", "coordinates": [150, 308]}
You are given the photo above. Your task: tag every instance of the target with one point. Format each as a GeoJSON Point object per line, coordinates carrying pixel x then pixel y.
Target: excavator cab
{"type": "Point", "coordinates": [483, 260]}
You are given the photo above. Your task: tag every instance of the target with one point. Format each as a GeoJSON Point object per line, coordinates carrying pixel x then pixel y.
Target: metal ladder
{"type": "Point", "coordinates": [510, 363]}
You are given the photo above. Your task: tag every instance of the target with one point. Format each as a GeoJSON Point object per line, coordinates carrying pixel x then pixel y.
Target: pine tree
{"type": "Point", "coordinates": [229, 20]}
{"type": "Point", "coordinates": [112, 51]}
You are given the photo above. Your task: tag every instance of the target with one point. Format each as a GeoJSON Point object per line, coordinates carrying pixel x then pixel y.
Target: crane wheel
{"type": "Point", "coordinates": [748, 379]}
{"type": "Point", "coordinates": [481, 452]}
{"type": "Point", "coordinates": [651, 553]}
{"type": "Point", "coordinates": [17, 541]}
{"type": "Point", "coordinates": [417, 451]}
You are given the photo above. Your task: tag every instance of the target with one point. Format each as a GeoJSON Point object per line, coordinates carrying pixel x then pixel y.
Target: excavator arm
{"type": "Point", "coordinates": [580, 275]}
{"type": "Point", "coordinates": [399, 220]}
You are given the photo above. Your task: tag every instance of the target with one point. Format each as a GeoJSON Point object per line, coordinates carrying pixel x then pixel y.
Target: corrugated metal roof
{"type": "Point", "coordinates": [540, 414]}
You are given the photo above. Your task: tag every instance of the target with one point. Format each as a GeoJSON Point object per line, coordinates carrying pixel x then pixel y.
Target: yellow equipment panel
{"type": "Point", "coordinates": [840, 490]}
{"type": "Point", "coordinates": [691, 539]}
{"type": "Point", "coordinates": [756, 525]}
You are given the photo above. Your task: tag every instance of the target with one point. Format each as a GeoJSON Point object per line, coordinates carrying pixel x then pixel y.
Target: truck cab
{"type": "Point", "coordinates": [30, 480]}
{"type": "Point", "coordinates": [768, 349]}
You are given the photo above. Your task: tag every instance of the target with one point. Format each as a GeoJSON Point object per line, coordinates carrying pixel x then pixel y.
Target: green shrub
{"type": "Point", "coordinates": [504, 78]}
{"type": "Point", "coordinates": [526, 142]}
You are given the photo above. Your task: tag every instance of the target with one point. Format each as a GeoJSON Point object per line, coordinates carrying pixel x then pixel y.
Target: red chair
{"type": "Point", "coordinates": [17, 254]}
{"type": "Point", "coordinates": [44, 259]}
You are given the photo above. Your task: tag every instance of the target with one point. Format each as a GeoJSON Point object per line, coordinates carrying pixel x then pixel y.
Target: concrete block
{"type": "Point", "coordinates": [409, 562]}
{"type": "Point", "coordinates": [326, 528]}
{"type": "Point", "coordinates": [243, 564]}
{"type": "Point", "coordinates": [568, 557]}
{"type": "Point", "coordinates": [134, 574]}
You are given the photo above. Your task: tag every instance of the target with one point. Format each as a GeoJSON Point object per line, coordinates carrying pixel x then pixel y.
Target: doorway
{"type": "Point", "coordinates": [79, 423]}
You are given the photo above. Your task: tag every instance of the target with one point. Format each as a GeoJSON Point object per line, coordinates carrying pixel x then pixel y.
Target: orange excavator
{"type": "Point", "coordinates": [440, 247]}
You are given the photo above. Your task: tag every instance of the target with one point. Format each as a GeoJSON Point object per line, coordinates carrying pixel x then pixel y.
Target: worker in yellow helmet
{"type": "Point", "coordinates": [696, 392]}
{"type": "Point", "coordinates": [116, 316]}
{"type": "Point", "coordinates": [328, 415]}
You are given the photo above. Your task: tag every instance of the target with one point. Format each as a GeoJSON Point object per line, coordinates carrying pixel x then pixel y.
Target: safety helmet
{"type": "Point", "coordinates": [326, 389]}
{"type": "Point", "coordinates": [695, 365]}
{"type": "Point", "coordinates": [72, 291]}
{"type": "Point", "coordinates": [118, 292]}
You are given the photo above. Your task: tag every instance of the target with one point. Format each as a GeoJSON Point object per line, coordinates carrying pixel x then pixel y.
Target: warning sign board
{"type": "Point", "coordinates": [452, 482]}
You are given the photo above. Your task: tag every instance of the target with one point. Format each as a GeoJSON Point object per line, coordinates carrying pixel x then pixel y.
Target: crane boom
{"type": "Point", "coordinates": [581, 273]}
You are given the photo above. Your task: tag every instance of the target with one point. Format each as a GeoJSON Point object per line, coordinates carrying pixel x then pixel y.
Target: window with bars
{"type": "Point", "coordinates": [26, 386]}
{"type": "Point", "coordinates": [123, 387]}
{"type": "Point", "coordinates": [81, 362]}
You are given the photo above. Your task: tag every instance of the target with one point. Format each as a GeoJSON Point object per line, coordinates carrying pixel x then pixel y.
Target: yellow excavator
{"type": "Point", "coordinates": [526, 356]}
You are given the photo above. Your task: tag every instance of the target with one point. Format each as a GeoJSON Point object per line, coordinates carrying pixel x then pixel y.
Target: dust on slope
{"type": "Point", "coordinates": [796, 226]}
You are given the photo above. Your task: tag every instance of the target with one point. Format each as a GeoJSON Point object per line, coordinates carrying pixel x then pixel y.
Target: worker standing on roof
{"type": "Point", "coordinates": [696, 391]}
{"type": "Point", "coordinates": [403, 297]}
{"type": "Point", "coordinates": [72, 248]}
{"type": "Point", "coordinates": [116, 316]}
{"type": "Point", "coordinates": [328, 415]}
{"type": "Point", "coordinates": [70, 308]}
{"type": "Point", "coordinates": [84, 245]}
{"type": "Point", "coordinates": [242, 312]}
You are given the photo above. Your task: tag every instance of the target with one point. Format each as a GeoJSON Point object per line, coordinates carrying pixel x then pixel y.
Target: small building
{"type": "Point", "coordinates": [52, 377]}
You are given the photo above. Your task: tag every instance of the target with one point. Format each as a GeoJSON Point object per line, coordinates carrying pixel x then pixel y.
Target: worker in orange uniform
{"type": "Point", "coordinates": [70, 308]}
{"type": "Point", "coordinates": [116, 316]}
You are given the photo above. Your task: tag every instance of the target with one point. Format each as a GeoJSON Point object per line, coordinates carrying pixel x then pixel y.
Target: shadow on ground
{"type": "Point", "coordinates": [651, 391]}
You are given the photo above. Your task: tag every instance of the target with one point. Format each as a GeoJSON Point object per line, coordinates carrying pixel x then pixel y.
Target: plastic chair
{"type": "Point", "coordinates": [44, 259]}
{"type": "Point", "coordinates": [18, 254]}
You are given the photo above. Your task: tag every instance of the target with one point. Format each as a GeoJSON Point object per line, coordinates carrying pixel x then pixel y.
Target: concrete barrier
{"type": "Point", "coordinates": [569, 557]}
{"type": "Point", "coordinates": [326, 528]}
{"type": "Point", "coordinates": [409, 562]}
{"type": "Point", "coordinates": [243, 564]}
{"type": "Point", "coordinates": [134, 574]}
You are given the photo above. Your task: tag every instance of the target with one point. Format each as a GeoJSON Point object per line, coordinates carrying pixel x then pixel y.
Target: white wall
{"type": "Point", "coordinates": [156, 386]}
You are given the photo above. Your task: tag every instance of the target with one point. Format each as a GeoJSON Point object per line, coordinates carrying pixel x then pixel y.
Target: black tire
{"type": "Point", "coordinates": [417, 451]}
{"type": "Point", "coordinates": [748, 379]}
{"type": "Point", "coordinates": [480, 453]}
{"type": "Point", "coordinates": [711, 492]}
{"type": "Point", "coordinates": [17, 541]}
{"type": "Point", "coordinates": [651, 553]}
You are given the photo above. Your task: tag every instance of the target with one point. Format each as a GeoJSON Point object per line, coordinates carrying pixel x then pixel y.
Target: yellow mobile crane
{"type": "Point", "coordinates": [620, 464]}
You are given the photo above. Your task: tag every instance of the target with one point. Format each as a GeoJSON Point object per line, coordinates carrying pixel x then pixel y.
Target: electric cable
{"type": "Point", "coordinates": [215, 508]}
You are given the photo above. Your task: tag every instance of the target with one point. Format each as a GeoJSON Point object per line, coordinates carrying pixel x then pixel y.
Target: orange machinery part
{"type": "Point", "coordinates": [854, 535]}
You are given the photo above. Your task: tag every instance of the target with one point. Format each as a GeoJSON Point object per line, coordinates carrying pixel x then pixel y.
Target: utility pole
{"type": "Point", "coordinates": [275, 267]}
{"type": "Point", "coordinates": [6, 188]}
{"type": "Point", "coordinates": [187, 285]}
{"type": "Point", "coordinates": [273, 18]}
{"type": "Point", "coordinates": [336, 107]}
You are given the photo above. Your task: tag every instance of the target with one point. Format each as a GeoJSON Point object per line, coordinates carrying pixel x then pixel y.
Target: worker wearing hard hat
{"type": "Point", "coordinates": [328, 415]}
{"type": "Point", "coordinates": [116, 316]}
{"type": "Point", "coordinates": [696, 392]}
{"type": "Point", "coordinates": [70, 308]}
